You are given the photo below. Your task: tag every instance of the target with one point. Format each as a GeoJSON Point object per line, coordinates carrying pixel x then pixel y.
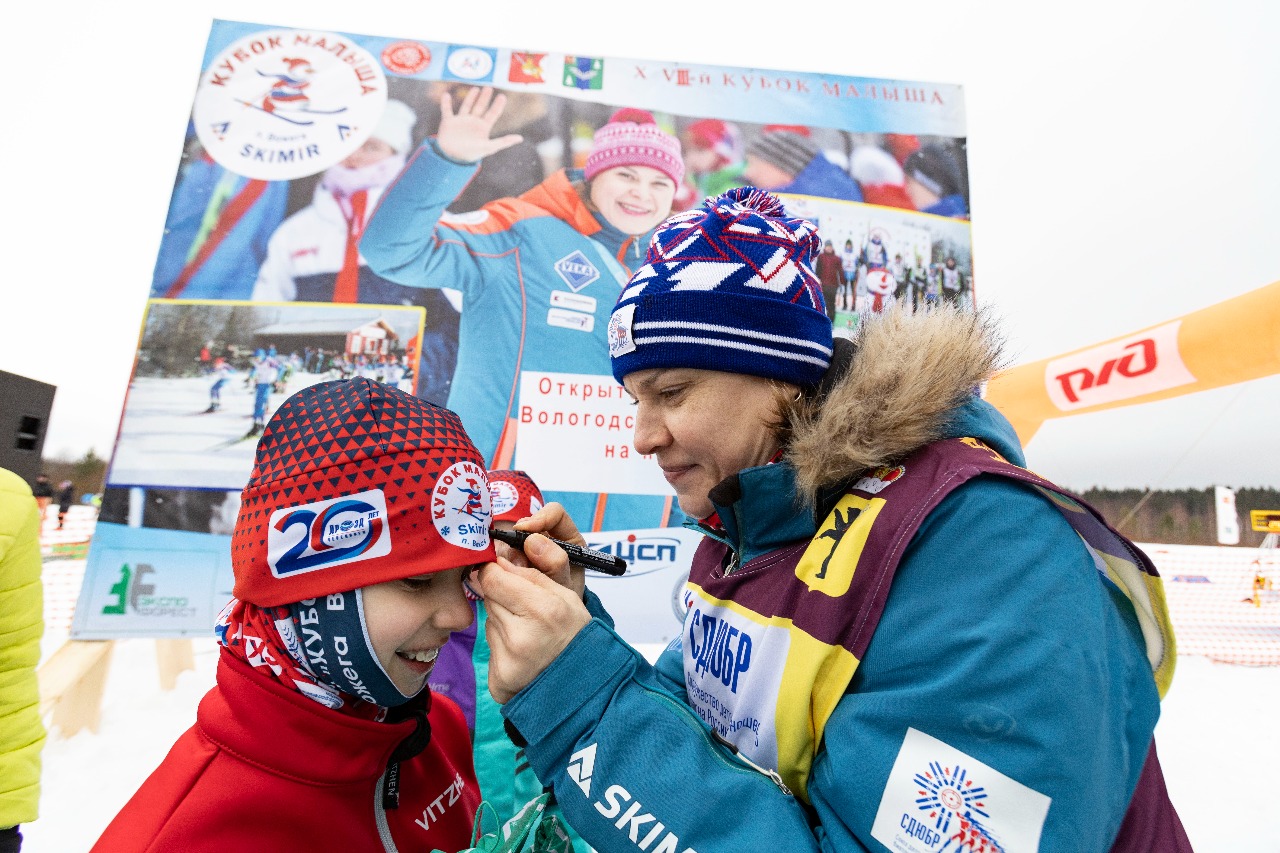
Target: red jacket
{"type": "Point", "coordinates": [265, 768]}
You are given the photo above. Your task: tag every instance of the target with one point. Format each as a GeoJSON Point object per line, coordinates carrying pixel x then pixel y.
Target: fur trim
{"type": "Point", "coordinates": [909, 372]}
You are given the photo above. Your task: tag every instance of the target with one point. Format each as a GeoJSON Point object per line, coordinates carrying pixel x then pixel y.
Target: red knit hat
{"type": "Point", "coordinates": [631, 138]}
{"type": "Point", "coordinates": [356, 483]}
{"type": "Point", "coordinates": [514, 495]}
{"type": "Point", "coordinates": [722, 138]}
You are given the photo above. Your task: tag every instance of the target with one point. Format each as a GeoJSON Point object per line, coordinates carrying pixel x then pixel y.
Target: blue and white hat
{"type": "Point", "coordinates": [728, 286]}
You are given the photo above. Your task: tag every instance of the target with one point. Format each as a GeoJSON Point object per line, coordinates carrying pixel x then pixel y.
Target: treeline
{"type": "Point", "coordinates": [1178, 516]}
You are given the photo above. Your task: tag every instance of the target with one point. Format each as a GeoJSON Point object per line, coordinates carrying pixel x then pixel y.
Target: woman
{"type": "Point", "coordinates": [539, 273]}
{"type": "Point", "coordinates": [902, 629]}
{"type": "Point", "coordinates": [321, 733]}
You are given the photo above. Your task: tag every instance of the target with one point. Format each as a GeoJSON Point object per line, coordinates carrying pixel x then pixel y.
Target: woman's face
{"type": "Point", "coordinates": [703, 426]}
{"type": "Point", "coordinates": [410, 619]}
{"type": "Point", "coordinates": [633, 199]}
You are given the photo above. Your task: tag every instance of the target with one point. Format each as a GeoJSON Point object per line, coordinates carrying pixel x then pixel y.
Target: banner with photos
{"type": "Point", "coordinates": [487, 282]}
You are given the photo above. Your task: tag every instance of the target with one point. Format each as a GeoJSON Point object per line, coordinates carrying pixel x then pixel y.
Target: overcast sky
{"type": "Point", "coordinates": [1122, 161]}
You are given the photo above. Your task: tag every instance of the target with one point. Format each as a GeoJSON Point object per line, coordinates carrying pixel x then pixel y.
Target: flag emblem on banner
{"type": "Point", "coordinates": [526, 67]}
{"type": "Point", "coordinates": [470, 63]}
{"type": "Point", "coordinates": [583, 72]}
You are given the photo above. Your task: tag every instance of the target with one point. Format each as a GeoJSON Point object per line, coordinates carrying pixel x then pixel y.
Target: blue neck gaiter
{"type": "Point", "coordinates": [336, 646]}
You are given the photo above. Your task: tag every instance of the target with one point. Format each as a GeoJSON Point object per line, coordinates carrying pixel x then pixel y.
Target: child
{"type": "Point", "coordinates": [714, 155]}
{"type": "Point", "coordinates": [365, 508]}
{"type": "Point", "coordinates": [221, 373]}
{"type": "Point", "coordinates": [538, 273]}
{"type": "Point", "coordinates": [264, 373]}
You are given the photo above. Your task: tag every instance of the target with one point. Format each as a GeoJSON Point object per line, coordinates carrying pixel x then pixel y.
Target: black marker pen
{"type": "Point", "coordinates": [585, 557]}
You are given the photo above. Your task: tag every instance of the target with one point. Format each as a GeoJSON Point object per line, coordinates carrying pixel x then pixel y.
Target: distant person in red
{"type": "Point", "coordinates": [321, 733]}
{"type": "Point", "coordinates": [831, 274]}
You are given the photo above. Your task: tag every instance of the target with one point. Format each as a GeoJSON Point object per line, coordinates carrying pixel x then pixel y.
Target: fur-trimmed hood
{"type": "Point", "coordinates": [906, 381]}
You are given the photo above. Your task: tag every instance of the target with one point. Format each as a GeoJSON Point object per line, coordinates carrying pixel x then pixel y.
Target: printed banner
{"type": "Point", "coordinates": [335, 215]}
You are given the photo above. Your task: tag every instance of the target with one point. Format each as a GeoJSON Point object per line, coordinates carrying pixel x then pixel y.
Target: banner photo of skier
{"type": "Point", "coordinates": [501, 197]}
{"type": "Point", "coordinates": [209, 375]}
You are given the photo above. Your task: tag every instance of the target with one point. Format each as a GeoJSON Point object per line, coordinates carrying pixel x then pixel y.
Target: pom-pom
{"type": "Point", "coordinates": [755, 199]}
{"type": "Point", "coordinates": [632, 114]}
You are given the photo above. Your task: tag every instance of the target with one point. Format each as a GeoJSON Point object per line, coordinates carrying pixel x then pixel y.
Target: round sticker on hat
{"type": "Point", "coordinates": [461, 507]}
{"type": "Point", "coordinates": [284, 104]}
{"type": "Point", "coordinates": [505, 496]}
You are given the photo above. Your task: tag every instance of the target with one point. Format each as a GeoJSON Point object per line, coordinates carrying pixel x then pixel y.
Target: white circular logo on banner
{"type": "Point", "coordinates": [284, 104]}
{"type": "Point", "coordinates": [461, 506]}
{"type": "Point", "coordinates": [469, 63]}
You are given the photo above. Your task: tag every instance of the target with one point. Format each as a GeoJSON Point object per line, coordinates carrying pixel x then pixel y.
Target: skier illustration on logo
{"type": "Point", "coordinates": [474, 506]}
{"type": "Point", "coordinates": [288, 92]}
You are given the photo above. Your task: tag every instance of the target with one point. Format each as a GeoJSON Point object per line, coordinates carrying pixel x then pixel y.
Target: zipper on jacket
{"type": "Point", "coordinates": [739, 762]}
{"type": "Point", "coordinates": [772, 774]}
{"type": "Point", "coordinates": [391, 786]}
{"type": "Point", "coordinates": [380, 811]}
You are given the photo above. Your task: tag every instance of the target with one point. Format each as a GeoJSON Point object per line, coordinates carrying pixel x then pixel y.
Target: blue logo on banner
{"type": "Point", "coordinates": [576, 270]}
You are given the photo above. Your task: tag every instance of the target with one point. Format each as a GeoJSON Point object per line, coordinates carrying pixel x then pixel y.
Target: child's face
{"type": "Point", "coordinates": [374, 150]}
{"type": "Point", "coordinates": [410, 619]}
{"type": "Point", "coordinates": [633, 199]}
{"type": "Point", "coordinates": [765, 175]}
{"type": "Point", "coordinates": [700, 160]}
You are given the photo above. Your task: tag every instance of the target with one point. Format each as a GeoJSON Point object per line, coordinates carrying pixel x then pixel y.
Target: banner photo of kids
{"type": "Point", "coordinates": [458, 220]}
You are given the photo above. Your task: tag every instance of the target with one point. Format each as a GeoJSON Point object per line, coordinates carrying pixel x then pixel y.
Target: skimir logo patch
{"type": "Point", "coordinates": [328, 533]}
{"type": "Point", "coordinates": [940, 799]}
{"type": "Point", "coordinates": [581, 765]}
{"type": "Point", "coordinates": [283, 104]}
{"type": "Point", "coordinates": [621, 340]}
{"type": "Point", "coordinates": [504, 496]}
{"type": "Point", "coordinates": [576, 270]}
{"type": "Point", "coordinates": [461, 507]}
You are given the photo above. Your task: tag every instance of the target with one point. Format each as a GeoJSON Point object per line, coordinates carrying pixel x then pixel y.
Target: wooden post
{"type": "Point", "coordinates": [72, 682]}
{"type": "Point", "coordinates": [174, 657]}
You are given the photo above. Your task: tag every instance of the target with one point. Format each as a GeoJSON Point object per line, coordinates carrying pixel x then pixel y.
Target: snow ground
{"type": "Point", "coordinates": [165, 428]}
{"type": "Point", "coordinates": [1217, 739]}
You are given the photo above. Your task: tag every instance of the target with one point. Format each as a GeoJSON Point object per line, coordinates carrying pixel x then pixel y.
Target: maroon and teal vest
{"type": "Point", "coordinates": [771, 646]}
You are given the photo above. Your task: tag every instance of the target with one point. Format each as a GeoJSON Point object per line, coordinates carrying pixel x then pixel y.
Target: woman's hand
{"type": "Point", "coordinates": [553, 521]}
{"type": "Point", "coordinates": [464, 135]}
{"type": "Point", "coordinates": [530, 618]}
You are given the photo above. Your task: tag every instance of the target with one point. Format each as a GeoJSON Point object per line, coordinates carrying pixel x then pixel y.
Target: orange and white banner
{"type": "Point", "coordinates": [1233, 341]}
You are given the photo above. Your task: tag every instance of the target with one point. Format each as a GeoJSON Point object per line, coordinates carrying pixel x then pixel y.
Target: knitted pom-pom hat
{"type": "Point", "coordinates": [729, 286]}
{"type": "Point", "coordinates": [789, 147]}
{"type": "Point", "coordinates": [631, 138]}
{"type": "Point", "coordinates": [356, 483]}
{"type": "Point", "coordinates": [514, 495]}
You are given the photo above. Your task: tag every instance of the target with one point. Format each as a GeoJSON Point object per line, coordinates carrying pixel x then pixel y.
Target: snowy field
{"type": "Point", "coordinates": [1217, 741]}
{"type": "Point", "coordinates": [165, 428]}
